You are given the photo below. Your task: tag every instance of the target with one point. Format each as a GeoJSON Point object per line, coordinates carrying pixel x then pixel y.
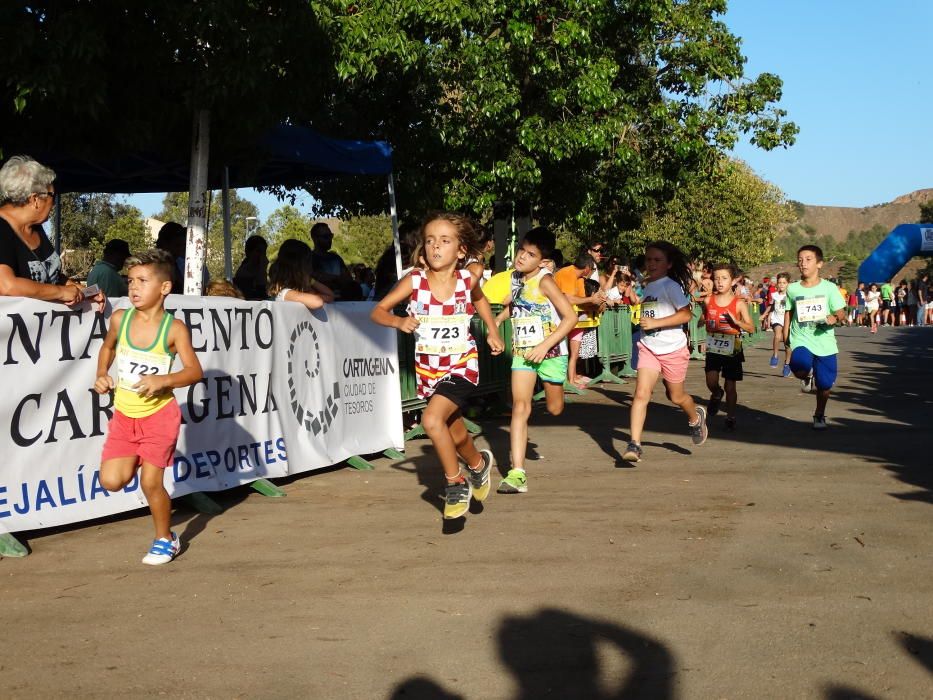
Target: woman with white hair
{"type": "Point", "coordinates": [29, 264]}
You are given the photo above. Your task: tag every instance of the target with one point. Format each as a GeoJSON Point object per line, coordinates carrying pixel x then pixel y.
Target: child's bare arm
{"type": "Point", "coordinates": [382, 312]}
{"type": "Point", "coordinates": [504, 314]}
{"type": "Point", "coordinates": [568, 317]}
{"type": "Point", "coordinates": [680, 317]}
{"type": "Point", "coordinates": [744, 320]}
{"type": "Point", "coordinates": [309, 299]}
{"type": "Point", "coordinates": [107, 352]}
{"type": "Point", "coordinates": [481, 303]}
{"type": "Point", "coordinates": [325, 292]}
{"type": "Point", "coordinates": [476, 270]}
{"type": "Point", "coordinates": [568, 320]}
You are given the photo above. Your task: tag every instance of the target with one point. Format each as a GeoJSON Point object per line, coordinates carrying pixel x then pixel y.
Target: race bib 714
{"type": "Point", "coordinates": [527, 331]}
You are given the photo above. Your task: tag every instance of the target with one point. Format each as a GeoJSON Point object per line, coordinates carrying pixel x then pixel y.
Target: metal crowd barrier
{"type": "Point", "coordinates": [614, 339]}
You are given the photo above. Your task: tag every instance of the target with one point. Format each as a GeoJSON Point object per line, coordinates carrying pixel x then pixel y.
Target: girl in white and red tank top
{"type": "Point", "coordinates": [441, 298]}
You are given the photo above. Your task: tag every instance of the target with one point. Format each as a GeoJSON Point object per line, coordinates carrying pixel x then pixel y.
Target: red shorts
{"type": "Point", "coordinates": [577, 334]}
{"type": "Point", "coordinates": [152, 439]}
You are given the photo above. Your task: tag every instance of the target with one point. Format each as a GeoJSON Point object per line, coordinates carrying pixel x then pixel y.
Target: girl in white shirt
{"type": "Point", "coordinates": [662, 350]}
{"type": "Point", "coordinates": [872, 304]}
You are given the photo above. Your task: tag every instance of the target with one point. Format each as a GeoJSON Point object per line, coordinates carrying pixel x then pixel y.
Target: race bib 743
{"type": "Point", "coordinates": [812, 309]}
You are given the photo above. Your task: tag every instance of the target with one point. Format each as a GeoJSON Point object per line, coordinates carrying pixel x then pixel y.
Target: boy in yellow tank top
{"type": "Point", "coordinates": [542, 317]}
{"type": "Point", "coordinates": [144, 340]}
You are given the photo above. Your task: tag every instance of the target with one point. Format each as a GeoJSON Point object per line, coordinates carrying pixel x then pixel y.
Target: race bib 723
{"type": "Point", "coordinates": [443, 335]}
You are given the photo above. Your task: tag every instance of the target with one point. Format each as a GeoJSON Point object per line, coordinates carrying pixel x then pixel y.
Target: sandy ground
{"type": "Point", "coordinates": [773, 562]}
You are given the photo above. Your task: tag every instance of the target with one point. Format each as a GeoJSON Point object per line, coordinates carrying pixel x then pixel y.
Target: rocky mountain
{"type": "Point", "coordinates": [838, 221]}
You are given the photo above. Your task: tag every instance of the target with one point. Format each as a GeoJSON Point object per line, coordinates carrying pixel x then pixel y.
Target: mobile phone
{"type": "Point", "coordinates": [91, 291]}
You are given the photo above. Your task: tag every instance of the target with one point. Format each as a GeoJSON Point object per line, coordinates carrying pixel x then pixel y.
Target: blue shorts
{"type": "Point", "coordinates": [823, 367]}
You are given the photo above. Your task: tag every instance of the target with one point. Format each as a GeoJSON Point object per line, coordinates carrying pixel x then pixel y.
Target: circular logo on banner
{"type": "Point", "coordinates": [313, 406]}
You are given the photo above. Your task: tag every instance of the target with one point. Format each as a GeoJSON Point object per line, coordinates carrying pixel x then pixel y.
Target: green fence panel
{"type": "Point", "coordinates": [696, 329]}
{"type": "Point", "coordinates": [406, 373]}
{"type": "Point", "coordinates": [755, 313]}
{"type": "Point", "coordinates": [626, 341]}
{"type": "Point", "coordinates": [614, 337]}
{"type": "Point", "coordinates": [495, 371]}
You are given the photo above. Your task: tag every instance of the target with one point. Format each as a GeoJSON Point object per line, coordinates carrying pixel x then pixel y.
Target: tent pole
{"type": "Point", "coordinates": [197, 207]}
{"type": "Point", "coordinates": [228, 241]}
{"type": "Point", "coordinates": [57, 223]}
{"type": "Point", "coordinates": [502, 227]}
{"type": "Point", "coordinates": [393, 212]}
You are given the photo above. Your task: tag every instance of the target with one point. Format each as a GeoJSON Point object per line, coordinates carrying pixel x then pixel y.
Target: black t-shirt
{"type": "Point", "coordinates": [39, 265]}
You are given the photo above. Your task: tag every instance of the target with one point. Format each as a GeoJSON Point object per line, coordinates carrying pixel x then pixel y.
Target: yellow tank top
{"type": "Point", "coordinates": [133, 363]}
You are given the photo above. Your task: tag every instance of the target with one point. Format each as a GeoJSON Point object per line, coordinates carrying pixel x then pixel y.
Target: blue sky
{"type": "Point", "coordinates": [858, 81]}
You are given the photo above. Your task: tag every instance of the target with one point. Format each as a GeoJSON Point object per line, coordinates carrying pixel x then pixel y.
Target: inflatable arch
{"type": "Point", "coordinates": [903, 243]}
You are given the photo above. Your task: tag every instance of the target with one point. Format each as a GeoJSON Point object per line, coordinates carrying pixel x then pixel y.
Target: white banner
{"type": "Point", "coordinates": [285, 391]}
{"type": "Point", "coordinates": [926, 239]}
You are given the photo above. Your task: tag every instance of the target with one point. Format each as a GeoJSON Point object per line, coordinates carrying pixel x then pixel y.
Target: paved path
{"type": "Point", "coordinates": [773, 562]}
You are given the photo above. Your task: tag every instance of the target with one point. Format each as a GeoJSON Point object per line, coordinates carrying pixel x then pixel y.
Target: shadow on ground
{"type": "Point", "coordinates": [887, 377]}
{"type": "Point", "coordinates": [559, 654]}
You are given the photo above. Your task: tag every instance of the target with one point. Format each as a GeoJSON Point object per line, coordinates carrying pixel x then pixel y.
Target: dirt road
{"type": "Point", "coordinates": [773, 562]}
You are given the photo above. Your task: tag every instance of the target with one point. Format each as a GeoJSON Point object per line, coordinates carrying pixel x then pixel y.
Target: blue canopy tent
{"type": "Point", "coordinates": [288, 156]}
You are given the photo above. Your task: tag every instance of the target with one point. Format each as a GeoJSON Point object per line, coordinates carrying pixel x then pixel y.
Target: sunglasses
{"type": "Point", "coordinates": [596, 250]}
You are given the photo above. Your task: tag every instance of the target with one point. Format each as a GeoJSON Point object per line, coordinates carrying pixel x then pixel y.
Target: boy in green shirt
{"type": "Point", "coordinates": [887, 296]}
{"type": "Point", "coordinates": [813, 307]}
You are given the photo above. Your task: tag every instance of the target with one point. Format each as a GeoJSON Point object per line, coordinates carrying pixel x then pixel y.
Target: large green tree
{"type": "Point", "coordinates": [730, 215]}
{"type": "Point", "coordinates": [284, 223]}
{"type": "Point", "coordinates": [362, 239]}
{"type": "Point", "coordinates": [90, 220]}
{"type": "Point", "coordinates": [242, 212]}
{"type": "Point", "coordinates": [594, 110]}
{"type": "Point", "coordinates": [926, 213]}
{"type": "Point", "coordinates": [99, 78]}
